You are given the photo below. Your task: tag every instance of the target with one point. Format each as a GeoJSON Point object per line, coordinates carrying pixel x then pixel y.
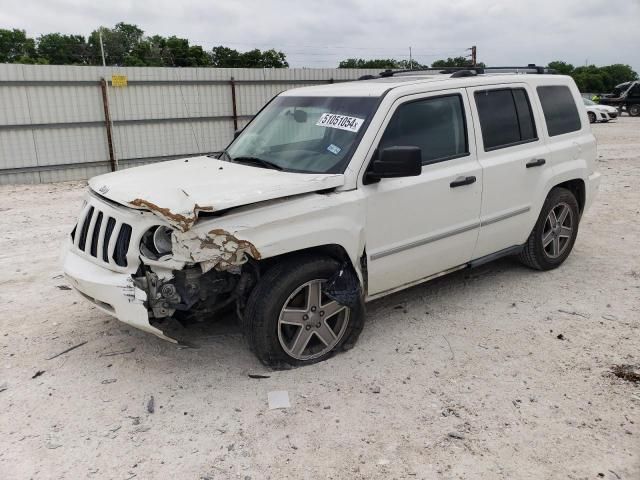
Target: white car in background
{"type": "Point", "coordinates": [599, 113]}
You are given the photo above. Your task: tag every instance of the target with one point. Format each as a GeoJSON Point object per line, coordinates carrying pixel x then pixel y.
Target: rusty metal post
{"type": "Point", "coordinates": [108, 124]}
{"type": "Point", "coordinates": [233, 103]}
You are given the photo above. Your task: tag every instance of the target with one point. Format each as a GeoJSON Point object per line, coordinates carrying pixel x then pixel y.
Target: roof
{"type": "Point", "coordinates": [378, 86]}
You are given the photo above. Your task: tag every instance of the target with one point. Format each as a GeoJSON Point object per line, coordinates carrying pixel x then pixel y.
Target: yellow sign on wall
{"type": "Point", "coordinates": [119, 80]}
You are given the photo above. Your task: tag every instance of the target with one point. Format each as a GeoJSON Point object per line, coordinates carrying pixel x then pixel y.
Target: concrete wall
{"type": "Point", "coordinates": [52, 118]}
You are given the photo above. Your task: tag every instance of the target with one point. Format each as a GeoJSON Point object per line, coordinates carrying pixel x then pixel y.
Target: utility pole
{"type": "Point", "coordinates": [474, 57]}
{"type": "Point", "coordinates": [410, 60]}
{"type": "Point", "coordinates": [104, 63]}
{"type": "Point", "coordinates": [104, 85]}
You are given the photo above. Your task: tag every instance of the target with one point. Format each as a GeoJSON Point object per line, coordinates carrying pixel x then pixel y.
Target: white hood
{"type": "Point", "coordinates": [177, 190]}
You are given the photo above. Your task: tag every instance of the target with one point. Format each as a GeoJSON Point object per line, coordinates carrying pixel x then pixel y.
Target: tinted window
{"type": "Point", "coordinates": [505, 118]}
{"type": "Point", "coordinates": [560, 111]}
{"type": "Point", "coordinates": [436, 125]}
{"type": "Point", "coordinates": [525, 116]}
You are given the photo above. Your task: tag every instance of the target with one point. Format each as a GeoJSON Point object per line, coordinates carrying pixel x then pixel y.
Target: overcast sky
{"type": "Point", "coordinates": [320, 33]}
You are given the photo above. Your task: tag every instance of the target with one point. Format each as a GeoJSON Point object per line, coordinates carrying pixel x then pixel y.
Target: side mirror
{"type": "Point", "coordinates": [395, 162]}
{"type": "Point", "coordinates": [237, 132]}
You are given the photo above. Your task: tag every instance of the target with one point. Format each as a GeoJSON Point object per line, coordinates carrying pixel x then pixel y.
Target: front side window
{"type": "Point", "coordinates": [436, 125]}
{"type": "Point", "coordinates": [506, 118]}
{"type": "Point", "coordinates": [560, 111]}
{"type": "Point", "coordinates": [305, 134]}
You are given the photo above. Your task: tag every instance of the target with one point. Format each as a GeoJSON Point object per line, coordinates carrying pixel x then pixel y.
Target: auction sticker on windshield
{"type": "Point", "coordinates": [342, 122]}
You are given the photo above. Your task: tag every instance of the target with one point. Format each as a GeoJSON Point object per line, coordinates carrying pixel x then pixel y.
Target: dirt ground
{"type": "Point", "coordinates": [493, 373]}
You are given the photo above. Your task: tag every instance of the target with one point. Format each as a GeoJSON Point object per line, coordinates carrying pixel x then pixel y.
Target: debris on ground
{"type": "Point", "coordinates": [630, 373]}
{"type": "Point", "coordinates": [3, 387]}
{"type": "Point", "coordinates": [278, 399]}
{"type": "Point", "coordinates": [67, 350]}
{"type": "Point", "coordinates": [63, 287]}
{"type": "Point", "coordinates": [375, 389]}
{"type": "Point", "coordinates": [258, 375]}
{"type": "Point", "coordinates": [108, 381]}
{"type": "Point", "coordinates": [38, 373]}
{"type": "Point", "coordinates": [151, 407]}
{"type": "Point", "coordinates": [121, 352]}
{"type": "Point", "coordinates": [456, 435]}
{"type": "Point", "coordinates": [570, 312]}
{"type": "Point", "coordinates": [561, 337]}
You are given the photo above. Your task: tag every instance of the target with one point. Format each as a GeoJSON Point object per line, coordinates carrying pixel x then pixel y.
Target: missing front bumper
{"type": "Point", "coordinates": [112, 292]}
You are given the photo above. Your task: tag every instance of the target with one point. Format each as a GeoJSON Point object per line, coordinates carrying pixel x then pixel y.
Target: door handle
{"type": "Point", "coordinates": [460, 181]}
{"type": "Point", "coordinates": [536, 162]}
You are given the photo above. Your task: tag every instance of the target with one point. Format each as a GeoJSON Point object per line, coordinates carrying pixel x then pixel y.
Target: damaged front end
{"type": "Point", "coordinates": [214, 272]}
{"type": "Point", "coordinates": [193, 295]}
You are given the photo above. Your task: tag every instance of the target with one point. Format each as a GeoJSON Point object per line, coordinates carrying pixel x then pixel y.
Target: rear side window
{"type": "Point", "coordinates": [506, 118]}
{"type": "Point", "coordinates": [436, 125]}
{"type": "Point", "coordinates": [560, 111]}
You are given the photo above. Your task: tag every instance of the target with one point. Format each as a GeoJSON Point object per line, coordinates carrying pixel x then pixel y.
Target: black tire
{"type": "Point", "coordinates": [534, 254]}
{"type": "Point", "coordinates": [262, 313]}
{"type": "Point", "coordinates": [634, 110]}
{"type": "Point", "coordinates": [592, 117]}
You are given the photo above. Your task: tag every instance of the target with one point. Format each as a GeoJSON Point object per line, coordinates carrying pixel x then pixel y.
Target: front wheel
{"type": "Point", "coordinates": [634, 110]}
{"type": "Point", "coordinates": [291, 321]}
{"type": "Point", "coordinates": [555, 232]}
{"type": "Point", "coordinates": [592, 117]}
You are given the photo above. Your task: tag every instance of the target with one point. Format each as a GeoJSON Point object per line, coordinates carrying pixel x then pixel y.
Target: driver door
{"type": "Point", "coordinates": [419, 226]}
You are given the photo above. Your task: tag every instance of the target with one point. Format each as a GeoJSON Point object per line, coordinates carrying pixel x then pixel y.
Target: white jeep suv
{"type": "Point", "coordinates": [336, 195]}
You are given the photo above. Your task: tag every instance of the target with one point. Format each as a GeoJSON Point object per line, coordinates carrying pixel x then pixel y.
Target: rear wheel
{"type": "Point", "coordinates": [290, 320]}
{"type": "Point", "coordinates": [634, 110]}
{"type": "Point", "coordinates": [592, 117]}
{"type": "Point", "coordinates": [555, 232]}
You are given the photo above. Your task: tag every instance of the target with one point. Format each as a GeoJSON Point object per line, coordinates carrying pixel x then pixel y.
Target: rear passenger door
{"type": "Point", "coordinates": [514, 161]}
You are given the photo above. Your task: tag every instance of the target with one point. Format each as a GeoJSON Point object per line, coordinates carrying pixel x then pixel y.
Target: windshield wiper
{"type": "Point", "coordinates": [257, 161]}
{"type": "Point", "coordinates": [220, 156]}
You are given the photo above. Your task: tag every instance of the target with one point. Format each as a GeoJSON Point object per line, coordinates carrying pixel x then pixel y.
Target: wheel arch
{"type": "Point", "coordinates": [332, 250]}
{"type": "Point", "coordinates": [578, 188]}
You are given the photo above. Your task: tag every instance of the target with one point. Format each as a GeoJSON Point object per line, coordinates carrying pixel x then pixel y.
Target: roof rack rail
{"type": "Point", "coordinates": [466, 71]}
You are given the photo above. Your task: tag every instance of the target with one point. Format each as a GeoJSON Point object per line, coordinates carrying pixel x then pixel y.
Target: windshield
{"type": "Point", "coordinates": [305, 134]}
{"type": "Point", "coordinates": [589, 102]}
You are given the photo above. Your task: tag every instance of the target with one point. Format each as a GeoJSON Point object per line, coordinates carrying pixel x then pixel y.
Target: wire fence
{"type": "Point", "coordinates": [61, 123]}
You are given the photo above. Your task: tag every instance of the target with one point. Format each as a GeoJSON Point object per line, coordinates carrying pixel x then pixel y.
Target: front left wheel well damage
{"type": "Point", "coordinates": [225, 277]}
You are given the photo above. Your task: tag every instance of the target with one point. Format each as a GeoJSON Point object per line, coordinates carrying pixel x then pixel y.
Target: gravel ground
{"type": "Point", "coordinates": [493, 373]}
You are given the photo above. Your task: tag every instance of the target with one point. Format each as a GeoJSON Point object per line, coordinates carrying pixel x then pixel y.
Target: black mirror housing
{"type": "Point", "coordinates": [237, 132]}
{"type": "Point", "coordinates": [395, 162]}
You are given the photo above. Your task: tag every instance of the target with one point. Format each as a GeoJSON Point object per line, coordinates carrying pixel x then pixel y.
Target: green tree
{"type": "Point", "coordinates": [371, 63]}
{"type": "Point", "coordinates": [16, 47]}
{"type": "Point", "coordinates": [225, 57]}
{"type": "Point", "coordinates": [230, 58]}
{"type": "Point", "coordinates": [561, 67]}
{"type": "Point", "coordinates": [59, 49]}
{"type": "Point", "coordinates": [452, 62]}
{"type": "Point", "coordinates": [274, 59]}
{"type": "Point", "coordinates": [590, 78]}
{"type": "Point", "coordinates": [119, 43]}
{"type": "Point", "coordinates": [617, 74]}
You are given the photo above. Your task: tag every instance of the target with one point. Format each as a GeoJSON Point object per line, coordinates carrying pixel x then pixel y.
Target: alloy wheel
{"type": "Point", "coordinates": [310, 323]}
{"type": "Point", "coordinates": [558, 230]}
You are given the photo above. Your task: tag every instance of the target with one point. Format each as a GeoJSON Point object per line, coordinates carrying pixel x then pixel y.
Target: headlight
{"type": "Point", "coordinates": [156, 242]}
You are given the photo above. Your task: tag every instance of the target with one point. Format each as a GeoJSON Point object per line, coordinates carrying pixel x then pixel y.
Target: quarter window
{"type": "Point", "coordinates": [560, 111]}
{"type": "Point", "coordinates": [436, 125]}
{"type": "Point", "coordinates": [506, 118]}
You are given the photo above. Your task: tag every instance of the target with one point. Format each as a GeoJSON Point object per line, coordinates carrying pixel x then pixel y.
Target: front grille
{"type": "Point", "coordinates": [102, 236]}
{"type": "Point", "coordinates": [613, 115]}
